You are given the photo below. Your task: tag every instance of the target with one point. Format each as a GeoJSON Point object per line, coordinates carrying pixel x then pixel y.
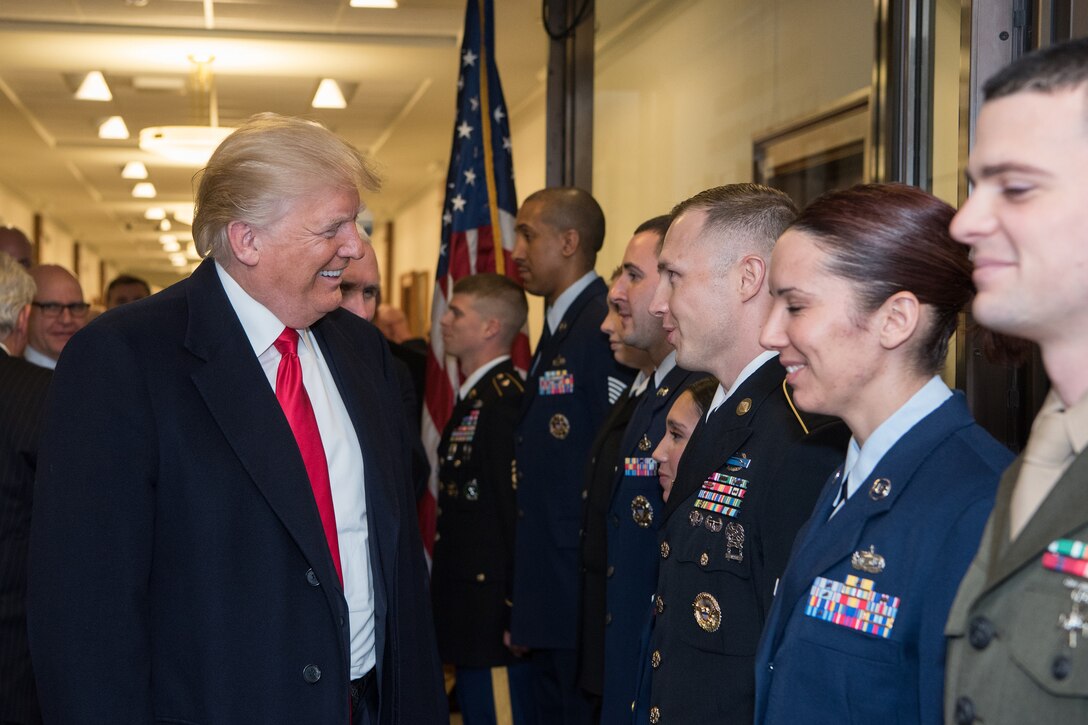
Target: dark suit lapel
{"type": "Point", "coordinates": [236, 391]}
{"type": "Point", "coordinates": [1062, 512]}
{"type": "Point", "coordinates": [356, 376]}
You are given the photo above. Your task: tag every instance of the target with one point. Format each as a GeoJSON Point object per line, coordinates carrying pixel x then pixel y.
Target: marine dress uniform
{"type": "Point", "coordinates": [572, 383]}
{"type": "Point", "coordinates": [1018, 630]}
{"type": "Point", "coordinates": [856, 630]}
{"type": "Point", "coordinates": [632, 521]}
{"type": "Point", "coordinates": [714, 585]}
{"type": "Point", "coordinates": [473, 567]}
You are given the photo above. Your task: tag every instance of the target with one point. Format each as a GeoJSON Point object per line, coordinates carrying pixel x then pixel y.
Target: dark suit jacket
{"type": "Point", "coordinates": [942, 474]}
{"type": "Point", "coordinates": [23, 389]}
{"type": "Point", "coordinates": [552, 447]}
{"type": "Point", "coordinates": [473, 568]}
{"type": "Point", "coordinates": [714, 579]}
{"type": "Point", "coordinates": [179, 571]}
{"type": "Point", "coordinates": [594, 544]}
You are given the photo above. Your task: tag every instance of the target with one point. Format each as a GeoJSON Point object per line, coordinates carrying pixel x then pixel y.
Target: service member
{"type": "Point", "coordinates": [473, 569]}
{"type": "Point", "coordinates": [1019, 639]}
{"type": "Point", "coordinates": [868, 286]}
{"type": "Point", "coordinates": [714, 587]}
{"type": "Point", "coordinates": [635, 504]}
{"type": "Point", "coordinates": [572, 382]}
{"type": "Point", "coordinates": [600, 473]}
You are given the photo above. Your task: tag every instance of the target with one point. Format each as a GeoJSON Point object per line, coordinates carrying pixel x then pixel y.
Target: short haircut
{"type": "Point", "coordinates": [568, 207]}
{"type": "Point", "coordinates": [750, 216]}
{"type": "Point", "coordinates": [702, 393]}
{"type": "Point", "coordinates": [500, 296]}
{"type": "Point", "coordinates": [17, 289]}
{"type": "Point", "coordinates": [1058, 67]}
{"type": "Point", "coordinates": [263, 168]}
{"type": "Point", "coordinates": [126, 279]}
{"type": "Point", "coordinates": [659, 224]}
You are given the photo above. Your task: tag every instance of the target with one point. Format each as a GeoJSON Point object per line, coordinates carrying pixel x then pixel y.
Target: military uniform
{"type": "Point", "coordinates": [1018, 638]}
{"type": "Point", "coordinates": [472, 575]}
{"type": "Point", "coordinates": [597, 494]}
{"type": "Point", "coordinates": [856, 632]}
{"type": "Point", "coordinates": [633, 518]}
{"type": "Point", "coordinates": [572, 384]}
{"type": "Point", "coordinates": [714, 586]}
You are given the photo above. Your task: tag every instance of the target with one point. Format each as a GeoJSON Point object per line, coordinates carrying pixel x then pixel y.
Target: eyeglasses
{"type": "Point", "coordinates": [55, 309]}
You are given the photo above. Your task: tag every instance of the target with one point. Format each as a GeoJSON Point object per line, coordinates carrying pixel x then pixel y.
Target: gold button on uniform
{"type": "Point", "coordinates": [659, 604]}
{"type": "Point", "coordinates": [480, 577]}
{"type": "Point", "coordinates": [610, 571]}
{"type": "Point", "coordinates": [655, 659]}
{"type": "Point", "coordinates": [655, 715]}
{"type": "Point", "coordinates": [664, 550]}
{"type": "Point", "coordinates": [704, 559]}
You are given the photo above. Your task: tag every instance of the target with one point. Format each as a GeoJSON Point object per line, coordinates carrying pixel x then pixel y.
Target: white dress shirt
{"type": "Point", "coordinates": [40, 359]}
{"type": "Point", "coordinates": [554, 314]}
{"type": "Point", "coordinates": [721, 394]}
{"type": "Point", "coordinates": [342, 451]}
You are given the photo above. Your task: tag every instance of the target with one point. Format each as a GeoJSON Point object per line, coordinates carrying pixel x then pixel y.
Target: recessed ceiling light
{"type": "Point", "coordinates": [155, 213]}
{"type": "Point", "coordinates": [144, 190]}
{"type": "Point", "coordinates": [178, 259]}
{"type": "Point", "coordinates": [114, 127]}
{"type": "Point", "coordinates": [164, 225]}
{"type": "Point", "coordinates": [134, 170]}
{"type": "Point", "coordinates": [328, 95]}
{"type": "Point", "coordinates": [384, 4]}
{"type": "Point", "coordinates": [94, 88]}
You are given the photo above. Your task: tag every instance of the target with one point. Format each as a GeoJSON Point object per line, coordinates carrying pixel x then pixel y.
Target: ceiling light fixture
{"type": "Point", "coordinates": [170, 243]}
{"type": "Point", "coordinates": [328, 95]}
{"type": "Point", "coordinates": [190, 145]}
{"type": "Point", "coordinates": [383, 4]}
{"type": "Point", "coordinates": [178, 259]}
{"type": "Point", "coordinates": [114, 128]}
{"type": "Point", "coordinates": [94, 88]}
{"type": "Point", "coordinates": [165, 225]}
{"type": "Point", "coordinates": [144, 190]}
{"type": "Point", "coordinates": [155, 213]}
{"type": "Point", "coordinates": [134, 170]}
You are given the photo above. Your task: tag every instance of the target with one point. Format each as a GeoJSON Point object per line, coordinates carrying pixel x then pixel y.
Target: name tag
{"type": "Point", "coordinates": [722, 494]}
{"type": "Point", "coordinates": [556, 382]}
{"type": "Point", "coordinates": [639, 467]}
{"type": "Point", "coordinates": [853, 604]}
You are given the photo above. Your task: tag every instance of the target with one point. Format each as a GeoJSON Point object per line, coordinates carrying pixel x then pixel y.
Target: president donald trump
{"type": "Point", "coordinates": [224, 526]}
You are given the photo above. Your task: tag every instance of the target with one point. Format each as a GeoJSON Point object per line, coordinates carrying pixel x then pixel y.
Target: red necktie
{"type": "Point", "coordinates": [300, 416]}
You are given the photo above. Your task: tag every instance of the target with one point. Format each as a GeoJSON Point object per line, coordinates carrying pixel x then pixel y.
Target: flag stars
{"type": "Point", "coordinates": [464, 130]}
{"type": "Point", "coordinates": [499, 114]}
{"type": "Point", "coordinates": [506, 143]}
{"type": "Point", "coordinates": [458, 203]}
{"type": "Point", "coordinates": [460, 82]}
{"type": "Point", "coordinates": [474, 102]}
{"type": "Point", "coordinates": [469, 58]}
{"type": "Point", "coordinates": [470, 177]}
{"type": "Point", "coordinates": [447, 218]}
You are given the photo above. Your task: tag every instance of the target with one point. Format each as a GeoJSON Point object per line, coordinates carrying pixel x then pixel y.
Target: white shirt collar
{"type": "Point", "coordinates": [664, 368]}
{"type": "Point", "coordinates": [5, 348]}
{"type": "Point", "coordinates": [40, 359]}
{"type": "Point", "coordinates": [260, 325]}
{"type": "Point", "coordinates": [861, 460]}
{"type": "Point", "coordinates": [638, 385]}
{"type": "Point", "coordinates": [478, 374]}
{"type": "Point", "coordinates": [555, 313]}
{"type": "Point", "coordinates": [721, 394]}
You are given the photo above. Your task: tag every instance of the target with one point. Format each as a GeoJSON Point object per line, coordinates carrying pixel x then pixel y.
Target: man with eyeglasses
{"type": "Point", "coordinates": [57, 312]}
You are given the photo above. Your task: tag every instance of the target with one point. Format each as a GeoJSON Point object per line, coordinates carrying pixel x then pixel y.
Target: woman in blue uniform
{"type": "Point", "coordinates": [867, 286]}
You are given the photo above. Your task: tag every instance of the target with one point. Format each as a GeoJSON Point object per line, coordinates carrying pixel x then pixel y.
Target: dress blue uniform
{"type": "Point", "coordinates": [731, 503]}
{"type": "Point", "coordinates": [597, 494]}
{"type": "Point", "coordinates": [633, 518]}
{"type": "Point", "coordinates": [572, 384]}
{"type": "Point", "coordinates": [856, 630]}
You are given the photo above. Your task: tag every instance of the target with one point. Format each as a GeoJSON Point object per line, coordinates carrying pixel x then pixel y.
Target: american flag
{"type": "Point", "coordinates": [477, 220]}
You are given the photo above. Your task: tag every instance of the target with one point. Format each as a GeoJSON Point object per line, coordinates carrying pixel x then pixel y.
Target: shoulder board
{"type": "Point", "coordinates": [504, 381]}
